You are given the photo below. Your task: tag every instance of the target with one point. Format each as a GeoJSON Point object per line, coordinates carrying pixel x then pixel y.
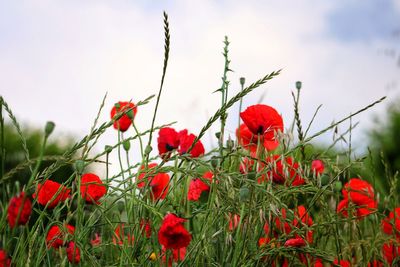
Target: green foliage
{"type": "Point", "coordinates": [248, 191]}
{"type": "Point", "coordinates": [17, 169]}
{"type": "Point", "coordinates": [384, 153]}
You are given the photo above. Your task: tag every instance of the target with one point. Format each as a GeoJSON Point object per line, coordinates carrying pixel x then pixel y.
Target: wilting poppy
{"type": "Point", "coordinates": [124, 121]}
{"type": "Point", "coordinates": [20, 207]}
{"type": "Point", "coordinates": [51, 193]}
{"type": "Point", "coordinates": [92, 188]}
{"type": "Point", "coordinates": [172, 233]}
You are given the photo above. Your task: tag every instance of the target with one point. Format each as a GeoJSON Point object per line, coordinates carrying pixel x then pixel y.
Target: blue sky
{"type": "Point", "coordinates": [364, 21]}
{"type": "Point", "coordinates": [59, 58]}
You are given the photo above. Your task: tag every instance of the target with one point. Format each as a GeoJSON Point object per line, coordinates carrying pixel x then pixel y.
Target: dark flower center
{"type": "Point", "coordinates": [260, 129]}
{"type": "Point", "coordinates": [169, 147]}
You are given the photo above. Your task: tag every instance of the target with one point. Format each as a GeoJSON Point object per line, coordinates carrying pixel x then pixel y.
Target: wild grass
{"type": "Point", "coordinates": [232, 192]}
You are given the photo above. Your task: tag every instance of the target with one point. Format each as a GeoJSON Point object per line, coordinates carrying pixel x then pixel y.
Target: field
{"type": "Point", "coordinates": [264, 198]}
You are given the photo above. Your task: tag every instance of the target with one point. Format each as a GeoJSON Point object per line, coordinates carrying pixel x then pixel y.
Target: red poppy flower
{"type": "Point", "coordinates": [302, 215]}
{"type": "Point", "coordinates": [197, 186]}
{"type": "Point", "coordinates": [159, 183]}
{"type": "Point", "coordinates": [168, 140]}
{"type": "Point", "coordinates": [186, 141]}
{"type": "Point", "coordinates": [281, 224]}
{"type": "Point", "coordinates": [318, 263]}
{"type": "Point", "coordinates": [392, 220]}
{"type": "Point", "coordinates": [177, 255]}
{"type": "Point", "coordinates": [19, 206]}
{"type": "Point", "coordinates": [263, 241]}
{"type": "Point", "coordinates": [119, 236]}
{"type": "Point", "coordinates": [92, 188]}
{"type": "Point", "coordinates": [375, 263]}
{"type": "Point", "coordinates": [143, 172]}
{"type": "Point", "coordinates": [51, 193]}
{"type": "Point", "coordinates": [124, 121]}
{"type": "Point", "coordinates": [96, 240]}
{"type": "Point", "coordinates": [5, 260]}
{"type": "Point", "coordinates": [250, 141]}
{"type": "Point", "coordinates": [233, 221]}
{"type": "Point", "coordinates": [172, 233]}
{"type": "Point", "coordinates": [390, 251]}
{"type": "Point", "coordinates": [343, 263]}
{"type": "Point", "coordinates": [55, 235]}
{"type": "Point", "coordinates": [361, 194]}
{"type": "Point", "coordinates": [73, 253]}
{"type": "Point", "coordinates": [145, 227]}
{"type": "Point", "coordinates": [295, 242]}
{"type": "Point", "coordinates": [317, 166]}
{"type": "Point", "coordinates": [262, 120]}
{"type": "Point", "coordinates": [284, 171]}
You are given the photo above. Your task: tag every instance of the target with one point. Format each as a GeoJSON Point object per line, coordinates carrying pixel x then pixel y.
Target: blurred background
{"type": "Point", "coordinates": [59, 58]}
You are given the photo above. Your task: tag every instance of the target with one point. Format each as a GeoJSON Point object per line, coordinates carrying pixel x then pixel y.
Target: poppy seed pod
{"type": "Point", "coordinates": [148, 149]}
{"type": "Point", "coordinates": [242, 80]}
{"type": "Point", "coordinates": [49, 128]}
{"type": "Point", "coordinates": [244, 194]}
{"type": "Point", "coordinates": [79, 166]}
{"type": "Point", "coordinates": [108, 149]}
{"type": "Point", "coordinates": [298, 85]}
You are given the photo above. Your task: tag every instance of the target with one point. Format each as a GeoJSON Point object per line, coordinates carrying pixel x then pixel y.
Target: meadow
{"type": "Point", "coordinates": [264, 198]}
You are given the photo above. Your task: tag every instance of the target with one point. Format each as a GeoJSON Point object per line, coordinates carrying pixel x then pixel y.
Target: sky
{"type": "Point", "coordinates": [59, 58]}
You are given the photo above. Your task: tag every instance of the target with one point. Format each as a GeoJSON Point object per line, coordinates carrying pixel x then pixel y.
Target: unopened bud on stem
{"type": "Point", "coordinates": [49, 128]}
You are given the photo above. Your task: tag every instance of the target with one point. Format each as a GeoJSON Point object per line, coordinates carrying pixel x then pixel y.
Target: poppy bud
{"type": "Point", "coordinates": [298, 85]}
{"type": "Point", "coordinates": [338, 186]}
{"type": "Point", "coordinates": [230, 144]}
{"type": "Point", "coordinates": [127, 145]}
{"type": "Point", "coordinates": [148, 150]}
{"type": "Point", "coordinates": [49, 128]}
{"type": "Point", "coordinates": [324, 180]}
{"type": "Point", "coordinates": [242, 81]}
{"type": "Point", "coordinates": [108, 149]}
{"type": "Point", "coordinates": [79, 166]}
{"type": "Point", "coordinates": [251, 175]}
{"type": "Point", "coordinates": [121, 206]}
{"type": "Point", "coordinates": [244, 194]}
